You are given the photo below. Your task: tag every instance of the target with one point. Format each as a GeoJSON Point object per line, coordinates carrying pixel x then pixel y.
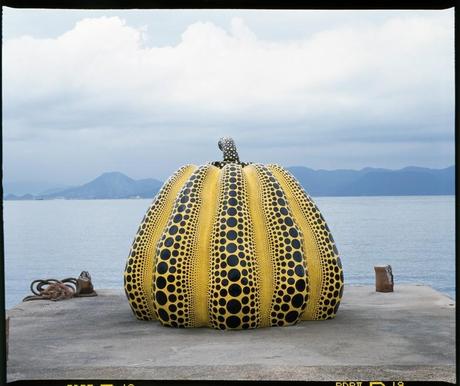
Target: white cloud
{"type": "Point", "coordinates": [393, 78]}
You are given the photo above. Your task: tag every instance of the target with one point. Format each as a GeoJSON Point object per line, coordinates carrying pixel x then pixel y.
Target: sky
{"type": "Point", "coordinates": [144, 92]}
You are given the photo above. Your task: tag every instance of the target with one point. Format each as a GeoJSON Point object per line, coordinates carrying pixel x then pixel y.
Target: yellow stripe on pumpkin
{"type": "Point", "coordinates": [143, 251]}
{"type": "Point", "coordinates": [209, 196]}
{"type": "Point", "coordinates": [262, 244]}
{"type": "Point", "coordinates": [290, 274]}
{"type": "Point", "coordinates": [311, 246]}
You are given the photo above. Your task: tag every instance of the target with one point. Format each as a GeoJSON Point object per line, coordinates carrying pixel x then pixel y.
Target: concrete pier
{"type": "Point", "coordinates": [408, 334]}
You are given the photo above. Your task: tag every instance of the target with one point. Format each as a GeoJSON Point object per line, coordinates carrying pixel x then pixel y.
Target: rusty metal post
{"type": "Point", "coordinates": [383, 278]}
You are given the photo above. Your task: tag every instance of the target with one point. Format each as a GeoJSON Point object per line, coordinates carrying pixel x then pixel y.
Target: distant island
{"type": "Point", "coordinates": [342, 182]}
{"type": "Point", "coordinates": [107, 185]}
{"type": "Point", "coordinates": [376, 182]}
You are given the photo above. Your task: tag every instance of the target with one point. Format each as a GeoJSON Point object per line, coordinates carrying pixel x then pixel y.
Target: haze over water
{"type": "Point", "coordinates": [61, 238]}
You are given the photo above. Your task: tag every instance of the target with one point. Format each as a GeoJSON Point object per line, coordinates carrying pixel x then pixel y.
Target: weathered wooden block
{"type": "Point", "coordinates": [383, 278]}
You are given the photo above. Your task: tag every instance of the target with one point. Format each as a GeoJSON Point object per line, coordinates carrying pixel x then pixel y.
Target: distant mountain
{"type": "Point", "coordinates": [376, 182]}
{"type": "Point", "coordinates": [342, 182]}
{"type": "Point", "coordinates": [109, 185]}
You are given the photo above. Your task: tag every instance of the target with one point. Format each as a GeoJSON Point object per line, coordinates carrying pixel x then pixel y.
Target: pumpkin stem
{"type": "Point", "coordinates": [228, 147]}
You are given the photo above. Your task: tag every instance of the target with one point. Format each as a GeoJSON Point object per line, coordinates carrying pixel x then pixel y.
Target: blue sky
{"type": "Point", "coordinates": [143, 92]}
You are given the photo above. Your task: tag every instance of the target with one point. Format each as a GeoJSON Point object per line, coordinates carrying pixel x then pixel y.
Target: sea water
{"type": "Point", "coordinates": [60, 238]}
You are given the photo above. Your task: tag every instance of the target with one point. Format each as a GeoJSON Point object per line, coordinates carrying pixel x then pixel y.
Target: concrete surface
{"type": "Point", "coordinates": [404, 335]}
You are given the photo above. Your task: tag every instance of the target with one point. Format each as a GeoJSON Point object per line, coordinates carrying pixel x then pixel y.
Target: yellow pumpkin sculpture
{"type": "Point", "coordinates": [233, 245]}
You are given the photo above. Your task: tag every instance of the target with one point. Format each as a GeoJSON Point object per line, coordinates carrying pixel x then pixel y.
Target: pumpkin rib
{"type": "Point", "coordinates": [331, 271]}
{"type": "Point", "coordinates": [290, 273]}
{"type": "Point", "coordinates": [261, 242]}
{"type": "Point", "coordinates": [176, 262]}
{"type": "Point", "coordinates": [206, 218]}
{"type": "Point", "coordinates": [233, 291]}
{"type": "Point", "coordinates": [139, 267]}
{"type": "Point", "coordinates": [311, 245]}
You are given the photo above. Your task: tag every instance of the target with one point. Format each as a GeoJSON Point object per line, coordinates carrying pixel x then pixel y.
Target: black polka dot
{"type": "Point", "coordinates": [165, 253]}
{"type": "Point", "coordinates": [233, 201]}
{"type": "Point", "coordinates": [234, 275]}
{"type": "Point", "coordinates": [232, 260]}
{"type": "Point", "coordinates": [300, 285]}
{"type": "Point", "coordinates": [234, 290]}
{"type": "Point", "coordinates": [233, 321]}
{"type": "Point", "coordinates": [231, 211]}
{"type": "Point", "coordinates": [161, 282]}
{"type": "Point", "coordinates": [299, 270]}
{"type": "Point", "coordinates": [297, 300]}
{"type": "Point", "coordinates": [161, 297]}
{"type": "Point", "coordinates": [292, 316]}
{"type": "Point", "coordinates": [163, 315]}
{"type": "Point", "coordinates": [231, 221]}
{"type": "Point", "coordinates": [293, 232]}
{"type": "Point", "coordinates": [162, 268]}
{"type": "Point", "coordinates": [172, 298]}
{"type": "Point", "coordinates": [172, 308]}
{"type": "Point", "coordinates": [233, 306]}
{"type": "Point", "coordinates": [297, 256]}
{"type": "Point", "coordinates": [288, 221]}
{"type": "Point", "coordinates": [231, 247]}
{"type": "Point", "coordinates": [231, 235]}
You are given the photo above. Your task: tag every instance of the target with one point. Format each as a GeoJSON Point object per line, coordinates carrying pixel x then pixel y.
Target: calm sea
{"type": "Point", "coordinates": [61, 238]}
